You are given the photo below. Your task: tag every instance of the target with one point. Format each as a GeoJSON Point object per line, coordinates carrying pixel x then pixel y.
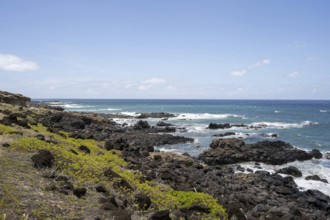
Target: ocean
{"type": "Point", "coordinates": [303, 123]}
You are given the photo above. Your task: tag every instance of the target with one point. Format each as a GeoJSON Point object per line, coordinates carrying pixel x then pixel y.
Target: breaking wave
{"type": "Point", "coordinates": [283, 125]}
{"type": "Point", "coordinates": [203, 116]}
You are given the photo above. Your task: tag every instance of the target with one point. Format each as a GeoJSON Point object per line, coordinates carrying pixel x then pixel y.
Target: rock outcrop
{"type": "Point", "coordinates": [14, 99]}
{"type": "Point", "coordinates": [291, 170]}
{"type": "Point", "coordinates": [156, 115]}
{"type": "Point", "coordinates": [231, 150]}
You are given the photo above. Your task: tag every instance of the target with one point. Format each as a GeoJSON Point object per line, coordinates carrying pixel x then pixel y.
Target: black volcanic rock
{"type": "Point", "coordinates": [13, 99]}
{"type": "Point", "coordinates": [163, 124]}
{"type": "Point", "coordinates": [226, 126]}
{"type": "Point", "coordinates": [291, 170]}
{"type": "Point", "coordinates": [143, 201]}
{"type": "Point", "coordinates": [231, 150]}
{"type": "Point", "coordinates": [117, 144]}
{"type": "Point", "coordinates": [156, 115]}
{"type": "Point", "coordinates": [225, 134]}
{"type": "Point", "coordinates": [316, 178]}
{"type": "Point", "coordinates": [160, 215]}
{"type": "Point", "coordinates": [219, 126]}
{"type": "Point", "coordinates": [140, 125]}
{"type": "Point", "coordinates": [43, 159]}
{"type": "Point", "coordinates": [84, 149]}
{"type": "Point", "coordinates": [80, 192]}
{"type": "Point", "coordinates": [316, 154]}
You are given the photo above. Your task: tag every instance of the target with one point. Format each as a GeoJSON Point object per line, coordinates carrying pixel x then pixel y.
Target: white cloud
{"type": "Point", "coordinates": [14, 63]}
{"type": "Point", "coordinates": [154, 81]}
{"type": "Point", "coordinates": [293, 74]}
{"type": "Point", "coordinates": [260, 63]}
{"type": "Point", "coordinates": [238, 73]}
{"type": "Point", "coordinates": [150, 83]}
{"type": "Point", "coordinates": [253, 66]}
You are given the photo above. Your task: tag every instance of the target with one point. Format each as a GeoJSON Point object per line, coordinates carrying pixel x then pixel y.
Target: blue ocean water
{"type": "Point", "coordinates": [302, 123]}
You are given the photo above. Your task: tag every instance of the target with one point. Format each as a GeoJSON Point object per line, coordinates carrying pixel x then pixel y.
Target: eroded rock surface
{"type": "Point", "coordinates": [231, 150]}
{"type": "Point", "coordinates": [14, 99]}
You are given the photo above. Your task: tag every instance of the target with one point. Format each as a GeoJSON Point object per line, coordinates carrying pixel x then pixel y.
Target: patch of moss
{"type": "Point", "coordinates": [167, 198]}
{"type": "Point", "coordinates": [4, 129]}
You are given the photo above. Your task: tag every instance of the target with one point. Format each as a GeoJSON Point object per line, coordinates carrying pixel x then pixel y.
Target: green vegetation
{"type": "Point", "coordinates": [7, 129]}
{"type": "Point", "coordinates": [86, 169]}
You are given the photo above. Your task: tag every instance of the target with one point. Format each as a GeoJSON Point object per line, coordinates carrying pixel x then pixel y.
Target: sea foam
{"type": "Point", "coordinates": [283, 125]}
{"type": "Point", "coordinates": [110, 109]}
{"type": "Point", "coordinates": [204, 116]}
{"type": "Point", "coordinates": [67, 105]}
{"type": "Point", "coordinates": [133, 114]}
{"type": "Point", "coordinates": [320, 167]}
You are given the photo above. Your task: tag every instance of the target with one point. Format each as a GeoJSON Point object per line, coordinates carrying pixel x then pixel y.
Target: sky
{"type": "Point", "coordinates": [166, 49]}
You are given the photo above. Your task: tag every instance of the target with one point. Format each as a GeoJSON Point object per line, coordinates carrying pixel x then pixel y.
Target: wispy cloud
{"type": "Point", "coordinates": [242, 72]}
{"type": "Point", "coordinates": [154, 81]}
{"type": "Point", "coordinates": [260, 63]}
{"type": "Point", "coordinates": [14, 63]}
{"type": "Point", "coordinates": [150, 83]}
{"type": "Point", "coordinates": [293, 74]}
{"type": "Point", "coordinates": [238, 73]}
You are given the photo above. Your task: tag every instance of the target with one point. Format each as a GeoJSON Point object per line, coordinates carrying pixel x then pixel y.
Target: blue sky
{"type": "Point", "coordinates": [214, 49]}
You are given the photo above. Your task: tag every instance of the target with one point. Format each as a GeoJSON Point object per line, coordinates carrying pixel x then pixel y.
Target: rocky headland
{"type": "Point", "coordinates": [57, 164]}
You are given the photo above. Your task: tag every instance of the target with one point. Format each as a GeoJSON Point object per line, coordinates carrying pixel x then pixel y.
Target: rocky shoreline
{"type": "Point", "coordinates": [251, 195]}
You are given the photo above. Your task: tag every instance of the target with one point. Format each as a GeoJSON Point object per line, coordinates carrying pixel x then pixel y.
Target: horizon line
{"type": "Point", "coordinates": [210, 99]}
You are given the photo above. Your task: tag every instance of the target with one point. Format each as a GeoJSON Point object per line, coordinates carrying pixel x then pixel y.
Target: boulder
{"type": "Point", "coordinates": [143, 201]}
{"type": "Point", "coordinates": [79, 192]}
{"type": "Point", "coordinates": [116, 144]}
{"type": "Point", "coordinates": [40, 137]}
{"type": "Point", "coordinates": [5, 144]}
{"type": "Point", "coordinates": [56, 117]}
{"type": "Point", "coordinates": [43, 159]}
{"type": "Point", "coordinates": [140, 125]}
{"type": "Point", "coordinates": [108, 203]}
{"type": "Point", "coordinates": [219, 126]}
{"type": "Point", "coordinates": [160, 215]}
{"type": "Point", "coordinates": [316, 154]}
{"type": "Point", "coordinates": [10, 119]}
{"type": "Point", "coordinates": [23, 123]}
{"type": "Point", "coordinates": [101, 189]}
{"type": "Point", "coordinates": [291, 170]}
{"type": "Point", "coordinates": [84, 149]}
{"type": "Point", "coordinates": [316, 178]}
{"type": "Point", "coordinates": [77, 124]}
